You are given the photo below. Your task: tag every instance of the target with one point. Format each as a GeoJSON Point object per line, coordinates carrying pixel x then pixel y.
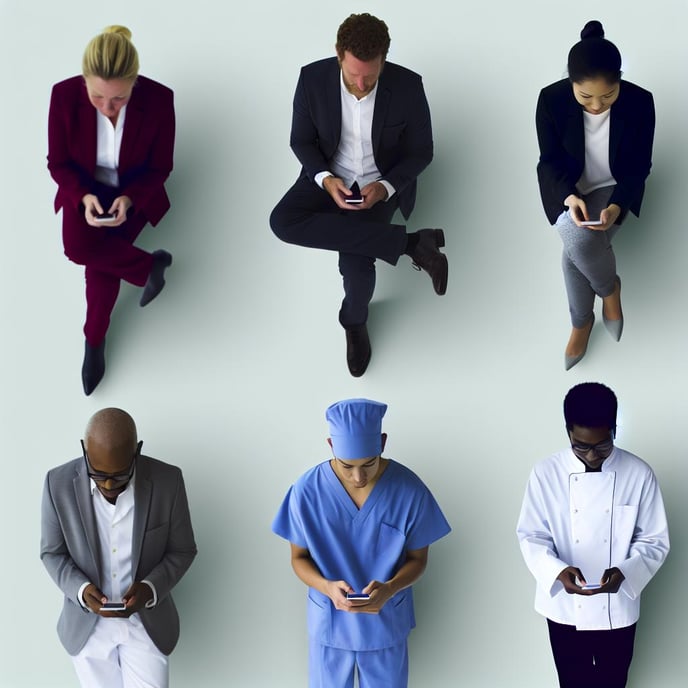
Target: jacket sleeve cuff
{"type": "Point", "coordinates": [80, 596]}
{"type": "Point", "coordinates": [151, 603]}
{"type": "Point", "coordinates": [320, 177]}
{"type": "Point", "coordinates": [390, 189]}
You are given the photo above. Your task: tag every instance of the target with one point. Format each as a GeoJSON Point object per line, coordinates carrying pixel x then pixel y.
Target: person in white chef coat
{"type": "Point", "coordinates": [593, 532]}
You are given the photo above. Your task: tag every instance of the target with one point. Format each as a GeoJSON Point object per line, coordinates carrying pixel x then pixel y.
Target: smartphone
{"type": "Point", "coordinates": [591, 586]}
{"type": "Point", "coordinates": [105, 217]}
{"type": "Point", "coordinates": [357, 596]}
{"type": "Point", "coordinates": [113, 607]}
{"type": "Point", "coordinates": [355, 194]}
{"type": "Point", "coordinates": [592, 223]}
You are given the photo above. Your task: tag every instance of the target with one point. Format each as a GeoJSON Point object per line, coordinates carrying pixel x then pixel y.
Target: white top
{"type": "Point", "coordinates": [596, 172]}
{"type": "Point", "coordinates": [115, 526]}
{"type": "Point", "coordinates": [354, 159]}
{"type": "Point", "coordinates": [109, 142]}
{"type": "Point", "coordinates": [594, 521]}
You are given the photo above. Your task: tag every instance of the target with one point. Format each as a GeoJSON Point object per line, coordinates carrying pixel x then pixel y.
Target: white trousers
{"type": "Point", "coordinates": [120, 654]}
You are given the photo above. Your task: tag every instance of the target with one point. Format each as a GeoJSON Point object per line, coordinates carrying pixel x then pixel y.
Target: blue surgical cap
{"type": "Point", "coordinates": [356, 428]}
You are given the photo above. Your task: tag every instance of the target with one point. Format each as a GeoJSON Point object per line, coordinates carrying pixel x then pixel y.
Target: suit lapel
{"type": "Point", "coordinates": [84, 502]}
{"type": "Point", "coordinates": [616, 127]}
{"type": "Point", "coordinates": [88, 132]}
{"type": "Point", "coordinates": [379, 113]}
{"type": "Point", "coordinates": [132, 127]}
{"type": "Point", "coordinates": [334, 101]}
{"type": "Point", "coordinates": [143, 491]}
{"type": "Point", "coordinates": [574, 135]}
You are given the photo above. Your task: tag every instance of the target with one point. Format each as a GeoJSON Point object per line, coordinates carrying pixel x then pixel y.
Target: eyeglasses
{"type": "Point", "coordinates": [115, 477]}
{"type": "Point", "coordinates": [602, 449]}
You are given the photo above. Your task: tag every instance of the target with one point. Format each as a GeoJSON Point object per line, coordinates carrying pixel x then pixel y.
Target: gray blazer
{"type": "Point", "coordinates": [163, 545]}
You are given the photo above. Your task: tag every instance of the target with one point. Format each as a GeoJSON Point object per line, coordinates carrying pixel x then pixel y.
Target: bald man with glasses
{"type": "Point", "coordinates": [116, 529]}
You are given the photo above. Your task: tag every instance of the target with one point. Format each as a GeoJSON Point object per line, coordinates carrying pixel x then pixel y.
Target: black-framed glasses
{"type": "Point", "coordinates": [115, 477]}
{"type": "Point", "coordinates": [602, 449]}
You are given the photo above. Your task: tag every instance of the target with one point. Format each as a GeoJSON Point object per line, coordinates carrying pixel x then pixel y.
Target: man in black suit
{"type": "Point", "coordinates": [359, 120]}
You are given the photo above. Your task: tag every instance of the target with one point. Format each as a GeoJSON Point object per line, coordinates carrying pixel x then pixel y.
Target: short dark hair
{"type": "Point", "coordinates": [594, 56]}
{"type": "Point", "coordinates": [364, 36]}
{"type": "Point", "coordinates": [590, 405]}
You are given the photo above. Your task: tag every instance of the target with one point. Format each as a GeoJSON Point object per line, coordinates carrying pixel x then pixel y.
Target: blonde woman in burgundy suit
{"type": "Point", "coordinates": [111, 144]}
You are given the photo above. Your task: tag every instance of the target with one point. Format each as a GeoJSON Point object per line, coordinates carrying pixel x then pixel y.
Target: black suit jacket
{"type": "Point", "coordinates": [559, 120]}
{"type": "Point", "coordinates": [401, 131]}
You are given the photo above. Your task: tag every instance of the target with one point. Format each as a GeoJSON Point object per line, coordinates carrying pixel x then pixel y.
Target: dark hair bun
{"type": "Point", "coordinates": [593, 29]}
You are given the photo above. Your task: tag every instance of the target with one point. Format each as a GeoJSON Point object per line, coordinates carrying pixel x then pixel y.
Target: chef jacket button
{"type": "Point", "coordinates": [605, 539]}
{"type": "Point", "coordinates": [575, 511]}
{"type": "Point", "coordinates": [577, 541]}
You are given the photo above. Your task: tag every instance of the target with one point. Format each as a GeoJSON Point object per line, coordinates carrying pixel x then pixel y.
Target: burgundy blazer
{"type": "Point", "coordinates": [146, 154]}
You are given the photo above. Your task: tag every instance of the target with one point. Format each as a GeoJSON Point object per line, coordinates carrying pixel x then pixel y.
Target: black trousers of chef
{"type": "Point", "coordinates": [591, 659]}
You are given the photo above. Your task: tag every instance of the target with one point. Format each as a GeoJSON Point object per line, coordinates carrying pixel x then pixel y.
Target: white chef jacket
{"type": "Point", "coordinates": [594, 521]}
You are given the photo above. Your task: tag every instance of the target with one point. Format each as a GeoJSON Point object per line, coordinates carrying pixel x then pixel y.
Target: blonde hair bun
{"type": "Point", "coordinates": [111, 55]}
{"type": "Point", "coordinates": [117, 28]}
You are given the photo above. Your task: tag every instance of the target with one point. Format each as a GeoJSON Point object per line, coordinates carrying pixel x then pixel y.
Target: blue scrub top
{"type": "Point", "coordinates": [360, 545]}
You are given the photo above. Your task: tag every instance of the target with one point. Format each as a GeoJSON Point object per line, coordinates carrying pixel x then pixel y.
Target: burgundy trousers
{"type": "Point", "coordinates": [109, 256]}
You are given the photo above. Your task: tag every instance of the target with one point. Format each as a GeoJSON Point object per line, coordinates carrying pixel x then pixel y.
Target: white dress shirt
{"type": "Point", "coordinates": [109, 142]}
{"type": "Point", "coordinates": [115, 526]}
{"type": "Point", "coordinates": [354, 159]}
{"type": "Point", "coordinates": [594, 521]}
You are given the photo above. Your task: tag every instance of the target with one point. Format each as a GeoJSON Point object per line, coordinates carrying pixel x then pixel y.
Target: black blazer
{"type": "Point", "coordinates": [401, 131]}
{"type": "Point", "coordinates": [559, 120]}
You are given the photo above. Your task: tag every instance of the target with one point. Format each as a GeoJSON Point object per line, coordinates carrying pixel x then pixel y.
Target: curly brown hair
{"type": "Point", "coordinates": [364, 36]}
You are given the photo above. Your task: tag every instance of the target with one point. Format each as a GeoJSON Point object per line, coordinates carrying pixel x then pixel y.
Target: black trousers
{"type": "Point", "coordinates": [307, 216]}
{"type": "Point", "coordinates": [591, 659]}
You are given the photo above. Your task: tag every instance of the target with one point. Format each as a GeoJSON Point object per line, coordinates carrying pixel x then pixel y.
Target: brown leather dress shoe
{"type": "Point", "coordinates": [357, 349]}
{"type": "Point", "coordinates": [427, 256]}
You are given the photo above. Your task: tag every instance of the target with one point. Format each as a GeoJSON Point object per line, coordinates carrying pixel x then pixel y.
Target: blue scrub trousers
{"type": "Point", "coordinates": [330, 667]}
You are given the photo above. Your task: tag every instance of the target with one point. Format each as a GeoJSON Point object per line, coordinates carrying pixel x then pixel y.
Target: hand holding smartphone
{"type": "Point", "coordinates": [104, 217]}
{"type": "Point", "coordinates": [356, 196]}
{"type": "Point", "coordinates": [114, 607]}
{"type": "Point", "coordinates": [357, 596]}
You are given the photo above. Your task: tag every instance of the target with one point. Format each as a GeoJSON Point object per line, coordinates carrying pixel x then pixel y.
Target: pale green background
{"type": "Point", "coordinates": [229, 371]}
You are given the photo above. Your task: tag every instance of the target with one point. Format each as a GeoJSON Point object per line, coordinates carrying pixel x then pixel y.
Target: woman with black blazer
{"type": "Point", "coordinates": [110, 150]}
{"type": "Point", "coordinates": [595, 133]}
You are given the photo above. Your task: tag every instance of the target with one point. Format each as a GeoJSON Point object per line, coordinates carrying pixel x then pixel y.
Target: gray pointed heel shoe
{"type": "Point", "coordinates": [570, 361]}
{"type": "Point", "coordinates": [614, 327]}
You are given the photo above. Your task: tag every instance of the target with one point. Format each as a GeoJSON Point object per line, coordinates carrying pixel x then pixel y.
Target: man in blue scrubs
{"type": "Point", "coordinates": [359, 524]}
